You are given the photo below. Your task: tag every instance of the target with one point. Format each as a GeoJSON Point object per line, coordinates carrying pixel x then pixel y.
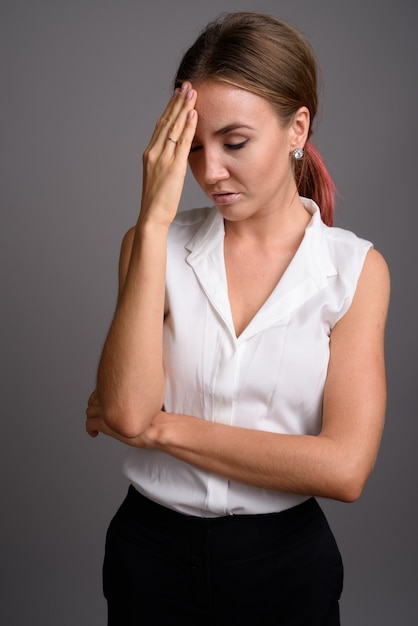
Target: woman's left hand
{"type": "Point", "coordinates": [95, 423]}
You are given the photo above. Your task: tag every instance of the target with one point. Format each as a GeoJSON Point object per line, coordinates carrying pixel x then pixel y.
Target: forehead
{"type": "Point", "coordinates": [219, 105]}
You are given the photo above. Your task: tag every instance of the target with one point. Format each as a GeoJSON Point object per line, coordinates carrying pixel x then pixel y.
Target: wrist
{"type": "Point", "coordinates": [157, 434]}
{"type": "Point", "coordinates": [148, 228]}
{"type": "Point", "coordinates": [170, 430]}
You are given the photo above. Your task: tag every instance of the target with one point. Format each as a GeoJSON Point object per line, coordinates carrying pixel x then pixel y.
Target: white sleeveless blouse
{"type": "Point", "coordinates": [270, 378]}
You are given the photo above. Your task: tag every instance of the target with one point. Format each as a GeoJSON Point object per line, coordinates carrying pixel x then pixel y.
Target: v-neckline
{"type": "Point", "coordinates": [305, 274]}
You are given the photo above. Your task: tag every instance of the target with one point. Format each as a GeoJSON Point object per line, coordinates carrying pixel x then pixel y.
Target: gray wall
{"type": "Point", "coordinates": [82, 84]}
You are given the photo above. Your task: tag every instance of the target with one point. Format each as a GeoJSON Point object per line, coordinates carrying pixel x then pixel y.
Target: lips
{"type": "Point", "coordinates": [224, 197]}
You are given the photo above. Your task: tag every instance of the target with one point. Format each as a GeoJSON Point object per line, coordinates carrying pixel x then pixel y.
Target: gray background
{"type": "Point", "coordinates": [82, 84]}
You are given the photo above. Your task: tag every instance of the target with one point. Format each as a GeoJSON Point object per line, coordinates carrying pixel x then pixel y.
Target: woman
{"type": "Point", "coordinates": [244, 365]}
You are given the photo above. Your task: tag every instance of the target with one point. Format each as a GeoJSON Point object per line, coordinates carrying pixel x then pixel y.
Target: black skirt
{"type": "Point", "coordinates": [164, 568]}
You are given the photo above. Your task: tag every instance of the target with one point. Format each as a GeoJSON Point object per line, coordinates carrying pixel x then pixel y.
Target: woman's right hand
{"type": "Point", "coordinates": [165, 159]}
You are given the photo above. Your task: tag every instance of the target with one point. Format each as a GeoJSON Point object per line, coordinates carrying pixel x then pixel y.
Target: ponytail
{"type": "Point", "coordinates": [313, 181]}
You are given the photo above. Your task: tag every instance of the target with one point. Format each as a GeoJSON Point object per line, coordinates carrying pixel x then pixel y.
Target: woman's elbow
{"type": "Point", "coordinates": [128, 417]}
{"type": "Point", "coordinates": [124, 424]}
{"type": "Point", "coordinates": [129, 422]}
{"type": "Point", "coordinates": [348, 493]}
{"type": "Point", "coordinates": [349, 484]}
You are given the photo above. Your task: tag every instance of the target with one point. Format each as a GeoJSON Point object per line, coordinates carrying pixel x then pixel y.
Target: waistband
{"type": "Point", "coordinates": [158, 516]}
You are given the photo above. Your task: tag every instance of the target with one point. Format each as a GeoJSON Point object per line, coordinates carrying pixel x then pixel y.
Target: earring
{"type": "Point", "coordinates": [298, 153]}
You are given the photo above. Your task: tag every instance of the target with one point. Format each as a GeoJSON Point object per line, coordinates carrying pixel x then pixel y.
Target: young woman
{"type": "Point", "coordinates": [244, 365]}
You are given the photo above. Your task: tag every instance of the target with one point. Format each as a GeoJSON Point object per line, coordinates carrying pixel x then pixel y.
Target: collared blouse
{"type": "Point", "coordinates": [270, 378]}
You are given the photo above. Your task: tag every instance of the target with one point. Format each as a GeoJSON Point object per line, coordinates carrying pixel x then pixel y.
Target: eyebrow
{"type": "Point", "coordinates": [231, 127]}
{"type": "Point", "coordinates": [228, 129]}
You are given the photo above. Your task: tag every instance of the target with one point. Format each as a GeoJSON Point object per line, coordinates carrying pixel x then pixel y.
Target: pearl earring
{"type": "Point", "coordinates": [298, 153]}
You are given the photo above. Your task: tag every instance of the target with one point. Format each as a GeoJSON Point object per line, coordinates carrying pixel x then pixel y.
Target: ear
{"type": "Point", "coordinates": [299, 128]}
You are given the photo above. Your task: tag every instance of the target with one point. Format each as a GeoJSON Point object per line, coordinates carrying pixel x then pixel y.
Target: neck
{"type": "Point", "coordinates": [274, 227]}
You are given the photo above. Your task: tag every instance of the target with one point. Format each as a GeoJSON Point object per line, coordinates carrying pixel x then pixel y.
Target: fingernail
{"type": "Point", "coordinates": [190, 94]}
{"type": "Point", "coordinates": [184, 86]}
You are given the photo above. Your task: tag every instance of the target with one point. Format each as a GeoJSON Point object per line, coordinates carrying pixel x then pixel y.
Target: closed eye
{"type": "Point", "coordinates": [236, 146]}
{"type": "Point", "coordinates": [229, 146]}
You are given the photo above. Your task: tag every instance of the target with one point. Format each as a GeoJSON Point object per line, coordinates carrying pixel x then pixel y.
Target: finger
{"type": "Point", "coordinates": [92, 398]}
{"type": "Point", "coordinates": [91, 429]}
{"type": "Point", "coordinates": [167, 115]}
{"type": "Point", "coordinates": [171, 125]}
{"type": "Point", "coordinates": [174, 105]}
{"type": "Point", "coordinates": [93, 411]}
{"type": "Point", "coordinates": [178, 133]}
{"type": "Point", "coordinates": [186, 138]}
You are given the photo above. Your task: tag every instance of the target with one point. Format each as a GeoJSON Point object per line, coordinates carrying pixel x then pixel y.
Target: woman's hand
{"type": "Point", "coordinates": [165, 159]}
{"type": "Point", "coordinates": [93, 414]}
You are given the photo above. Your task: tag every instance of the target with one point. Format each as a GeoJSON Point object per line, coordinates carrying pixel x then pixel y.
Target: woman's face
{"type": "Point", "coordinates": [241, 154]}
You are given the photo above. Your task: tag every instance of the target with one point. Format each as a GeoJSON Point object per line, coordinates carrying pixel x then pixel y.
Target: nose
{"type": "Point", "coordinates": [213, 167]}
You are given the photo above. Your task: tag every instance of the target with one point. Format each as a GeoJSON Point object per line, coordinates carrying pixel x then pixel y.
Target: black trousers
{"type": "Point", "coordinates": [163, 568]}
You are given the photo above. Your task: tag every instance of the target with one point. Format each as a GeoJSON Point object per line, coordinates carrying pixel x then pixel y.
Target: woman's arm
{"type": "Point", "coordinates": [130, 379]}
{"type": "Point", "coordinates": [334, 464]}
